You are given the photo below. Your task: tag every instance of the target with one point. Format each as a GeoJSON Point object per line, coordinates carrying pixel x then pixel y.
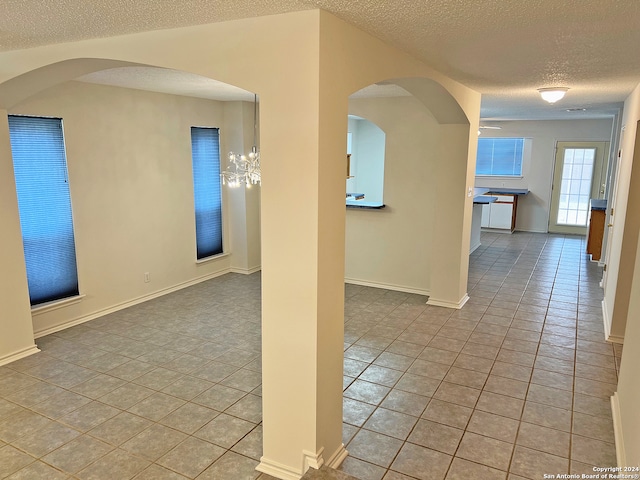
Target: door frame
{"type": "Point", "coordinates": [599, 174]}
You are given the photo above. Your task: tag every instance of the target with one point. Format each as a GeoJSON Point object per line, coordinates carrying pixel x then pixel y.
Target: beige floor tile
{"type": "Point", "coordinates": [547, 416]}
{"type": "Point", "coordinates": [436, 436]}
{"type": "Point", "coordinates": [544, 439]}
{"type": "Point", "coordinates": [600, 428]}
{"type": "Point", "coordinates": [447, 413]}
{"type": "Point", "coordinates": [494, 426]}
{"type": "Point", "coordinates": [458, 394]}
{"type": "Point", "coordinates": [12, 460]}
{"type": "Point", "coordinates": [225, 430]}
{"type": "Point", "coordinates": [231, 465]}
{"type": "Point", "coordinates": [156, 406]}
{"type": "Point", "coordinates": [534, 464]}
{"type": "Point", "coordinates": [388, 422]}
{"type": "Point", "coordinates": [422, 463]}
{"type": "Point", "coordinates": [487, 451]}
{"type": "Point", "coordinates": [500, 405]}
{"type": "Point", "coordinates": [506, 386]}
{"type": "Point", "coordinates": [120, 428]}
{"type": "Point", "coordinates": [191, 457]}
{"type": "Point", "coordinates": [418, 384]}
{"type": "Point", "coordinates": [38, 470]}
{"type": "Point", "coordinates": [374, 448]}
{"type": "Point", "coordinates": [405, 402]}
{"type": "Point", "coordinates": [467, 378]}
{"type": "Point", "coordinates": [77, 454]}
{"type": "Point", "coordinates": [153, 442]}
{"type": "Point", "coordinates": [362, 470]}
{"type": "Point", "coordinates": [46, 440]}
{"type": "Point", "coordinates": [116, 464]}
{"type": "Point", "coordinates": [549, 396]}
{"type": "Point", "coordinates": [464, 470]}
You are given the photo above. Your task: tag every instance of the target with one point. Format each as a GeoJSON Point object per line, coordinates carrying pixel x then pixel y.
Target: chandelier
{"type": "Point", "coordinates": [244, 169]}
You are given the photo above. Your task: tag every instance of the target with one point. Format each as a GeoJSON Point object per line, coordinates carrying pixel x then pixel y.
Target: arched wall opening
{"type": "Point", "coordinates": [396, 247]}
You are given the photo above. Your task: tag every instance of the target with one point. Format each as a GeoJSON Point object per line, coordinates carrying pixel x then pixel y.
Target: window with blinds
{"type": "Point", "coordinates": [500, 157]}
{"type": "Point", "coordinates": [205, 153]}
{"type": "Point", "coordinates": [44, 203]}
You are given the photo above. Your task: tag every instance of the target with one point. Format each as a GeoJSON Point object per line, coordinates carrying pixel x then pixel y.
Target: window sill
{"type": "Point", "coordinates": [56, 304]}
{"type": "Point", "coordinates": [212, 258]}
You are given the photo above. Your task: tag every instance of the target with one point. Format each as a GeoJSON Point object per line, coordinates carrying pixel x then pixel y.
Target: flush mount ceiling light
{"type": "Point", "coordinates": [552, 94]}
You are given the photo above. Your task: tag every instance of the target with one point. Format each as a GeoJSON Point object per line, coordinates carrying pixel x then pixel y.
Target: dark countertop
{"type": "Point", "coordinates": [366, 205]}
{"type": "Point", "coordinates": [509, 191]}
{"type": "Point", "coordinates": [484, 199]}
{"type": "Point", "coordinates": [597, 204]}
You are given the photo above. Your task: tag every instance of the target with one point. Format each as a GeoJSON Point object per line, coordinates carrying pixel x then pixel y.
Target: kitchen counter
{"type": "Point", "coordinates": [508, 191]}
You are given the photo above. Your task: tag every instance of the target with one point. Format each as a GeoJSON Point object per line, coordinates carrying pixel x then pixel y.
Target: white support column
{"type": "Point", "coordinates": [16, 340]}
{"type": "Point", "coordinates": [452, 229]}
{"type": "Point", "coordinates": [303, 218]}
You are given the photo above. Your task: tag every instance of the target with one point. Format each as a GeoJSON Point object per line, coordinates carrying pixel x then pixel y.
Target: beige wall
{"type": "Point", "coordinates": [627, 416]}
{"type": "Point", "coordinates": [624, 234]}
{"type": "Point", "coordinates": [391, 247]}
{"type": "Point", "coordinates": [129, 163]}
{"type": "Point", "coordinates": [533, 209]}
{"type": "Point", "coordinates": [16, 339]}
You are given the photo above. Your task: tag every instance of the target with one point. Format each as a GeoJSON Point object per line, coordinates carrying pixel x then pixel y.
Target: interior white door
{"type": "Point", "coordinates": [577, 177]}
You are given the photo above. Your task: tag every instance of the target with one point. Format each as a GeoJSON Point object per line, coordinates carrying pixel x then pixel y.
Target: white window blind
{"type": "Point", "coordinates": [205, 153]}
{"type": "Point", "coordinates": [500, 157]}
{"type": "Point", "coordinates": [44, 203]}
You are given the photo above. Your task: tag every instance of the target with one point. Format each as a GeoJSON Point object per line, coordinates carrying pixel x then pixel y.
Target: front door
{"type": "Point", "coordinates": [577, 177]}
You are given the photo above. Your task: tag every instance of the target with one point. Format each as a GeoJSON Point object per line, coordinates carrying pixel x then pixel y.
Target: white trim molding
{"type": "Point", "coordinates": [278, 470]}
{"type": "Point", "coordinates": [17, 355]}
{"type": "Point", "coordinates": [246, 271]}
{"type": "Point", "coordinates": [312, 460]}
{"type": "Point", "coordinates": [443, 303]}
{"type": "Point", "coordinates": [338, 457]}
{"type": "Point", "coordinates": [621, 455]}
{"type": "Point", "coordinates": [607, 326]}
{"type": "Point", "coordinates": [123, 305]}
{"type": "Point", "coordinates": [387, 286]}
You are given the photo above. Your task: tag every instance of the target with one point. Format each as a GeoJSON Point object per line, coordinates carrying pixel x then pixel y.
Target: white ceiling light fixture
{"type": "Point", "coordinates": [245, 169]}
{"type": "Point", "coordinates": [552, 94]}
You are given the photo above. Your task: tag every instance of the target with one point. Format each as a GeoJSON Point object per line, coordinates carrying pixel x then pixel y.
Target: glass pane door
{"type": "Point", "coordinates": [575, 188]}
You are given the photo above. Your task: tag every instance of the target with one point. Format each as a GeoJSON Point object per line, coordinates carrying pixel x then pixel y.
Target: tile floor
{"type": "Point", "coordinates": [514, 385]}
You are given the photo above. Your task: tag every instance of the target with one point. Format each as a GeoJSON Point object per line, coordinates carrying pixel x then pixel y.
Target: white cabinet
{"type": "Point", "coordinates": [486, 212]}
{"type": "Point", "coordinates": [500, 215]}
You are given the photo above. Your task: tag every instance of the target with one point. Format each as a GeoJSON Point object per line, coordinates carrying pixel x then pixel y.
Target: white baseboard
{"type": "Point", "coordinates": [246, 271]}
{"type": "Point", "coordinates": [386, 286]}
{"type": "Point", "coordinates": [474, 247]}
{"type": "Point", "coordinates": [17, 355]}
{"type": "Point", "coordinates": [128, 303]}
{"type": "Point", "coordinates": [312, 460]}
{"type": "Point", "coordinates": [338, 457]}
{"type": "Point", "coordinates": [530, 231]}
{"type": "Point", "coordinates": [278, 470]}
{"type": "Point", "coordinates": [497, 230]}
{"type": "Point", "coordinates": [621, 456]}
{"type": "Point", "coordinates": [443, 303]}
{"type": "Point", "coordinates": [607, 326]}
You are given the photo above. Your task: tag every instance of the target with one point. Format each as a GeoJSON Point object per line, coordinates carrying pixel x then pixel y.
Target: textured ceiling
{"type": "Point", "coordinates": [504, 49]}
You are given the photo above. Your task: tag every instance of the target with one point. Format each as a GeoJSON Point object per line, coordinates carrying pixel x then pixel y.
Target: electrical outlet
{"type": "Point", "coordinates": [147, 277]}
